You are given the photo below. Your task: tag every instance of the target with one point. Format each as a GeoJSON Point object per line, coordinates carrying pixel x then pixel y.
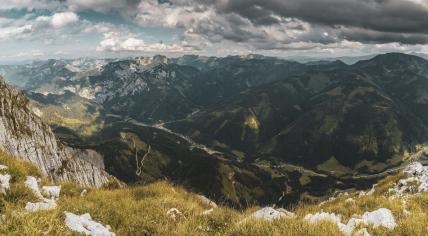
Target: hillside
{"type": "Point", "coordinates": [162, 154]}
{"type": "Point", "coordinates": [322, 114]}
{"type": "Point", "coordinates": [166, 170]}
{"type": "Point", "coordinates": [242, 130]}
{"type": "Point", "coordinates": [393, 207]}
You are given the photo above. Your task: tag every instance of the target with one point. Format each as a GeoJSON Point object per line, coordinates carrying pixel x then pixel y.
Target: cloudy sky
{"type": "Point", "coordinates": [33, 29]}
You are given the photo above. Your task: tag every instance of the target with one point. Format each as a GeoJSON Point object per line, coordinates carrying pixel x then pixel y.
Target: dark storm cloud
{"type": "Point", "coordinates": [234, 30]}
{"type": "Point", "coordinates": [369, 36]}
{"type": "Point", "coordinates": [401, 16]}
{"type": "Point", "coordinates": [275, 23]}
{"type": "Point", "coordinates": [367, 21]}
{"type": "Point", "coordinates": [258, 15]}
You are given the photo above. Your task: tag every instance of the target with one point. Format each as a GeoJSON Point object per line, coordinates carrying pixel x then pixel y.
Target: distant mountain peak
{"type": "Point", "coordinates": [392, 61]}
{"type": "Point", "coordinates": [396, 56]}
{"type": "Point", "coordinates": [152, 61]}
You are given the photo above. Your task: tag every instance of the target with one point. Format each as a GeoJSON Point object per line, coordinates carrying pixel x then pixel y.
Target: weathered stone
{"type": "Point", "coordinates": [25, 136]}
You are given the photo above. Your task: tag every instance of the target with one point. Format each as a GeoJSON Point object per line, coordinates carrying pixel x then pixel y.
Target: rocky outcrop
{"type": "Point", "coordinates": [24, 135]}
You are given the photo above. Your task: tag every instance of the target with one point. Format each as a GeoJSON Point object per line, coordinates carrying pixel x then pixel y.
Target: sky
{"type": "Point", "coordinates": [40, 29]}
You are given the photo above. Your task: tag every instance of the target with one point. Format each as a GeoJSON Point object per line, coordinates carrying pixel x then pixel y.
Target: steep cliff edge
{"type": "Point", "coordinates": [24, 135]}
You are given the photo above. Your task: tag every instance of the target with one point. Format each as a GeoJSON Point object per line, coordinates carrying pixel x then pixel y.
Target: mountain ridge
{"type": "Point", "coordinates": [299, 123]}
{"type": "Point", "coordinates": [24, 135]}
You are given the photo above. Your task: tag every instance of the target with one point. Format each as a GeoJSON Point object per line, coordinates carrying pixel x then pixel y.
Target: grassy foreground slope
{"type": "Point", "coordinates": [143, 210]}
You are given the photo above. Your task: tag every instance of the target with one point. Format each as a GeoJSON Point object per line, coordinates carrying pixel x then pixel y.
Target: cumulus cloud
{"type": "Point", "coordinates": [233, 25]}
{"type": "Point", "coordinates": [120, 41]}
{"type": "Point", "coordinates": [29, 4]}
{"type": "Point", "coordinates": [104, 6]}
{"type": "Point", "coordinates": [32, 53]}
{"type": "Point", "coordinates": [62, 19]}
{"type": "Point", "coordinates": [48, 28]}
{"type": "Point", "coordinates": [15, 32]}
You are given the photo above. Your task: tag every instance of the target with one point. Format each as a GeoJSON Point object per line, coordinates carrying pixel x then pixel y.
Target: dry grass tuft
{"type": "Point", "coordinates": [142, 211]}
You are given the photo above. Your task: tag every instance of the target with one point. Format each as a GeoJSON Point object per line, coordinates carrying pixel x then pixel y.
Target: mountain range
{"type": "Point", "coordinates": [239, 129]}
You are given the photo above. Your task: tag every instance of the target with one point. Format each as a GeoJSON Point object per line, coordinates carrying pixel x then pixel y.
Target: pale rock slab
{"type": "Point", "coordinates": [45, 205]}
{"type": "Point", "coordinates": [174, 213]}
{"type": "Point", "coordinates": [380, 217]}
{"type": "Point", "coordinates": [269, 214]}
{"type": "Point", "coordinates": [323, 216]}
{"type": "Point", "coordinates": [4, 183]}
{"type": "Point", "coordinates": [207, 201]}
{"type": "Point", "coordinates": [208, 212]}
{"type": "Point", "coordinates": [51, 191]}
{"type": "Point", "coordinates": [32, 183]}
{"type": "Point", "coordinates": [85, 225]}
{"type": "Point", "coordinates": [416, 181]}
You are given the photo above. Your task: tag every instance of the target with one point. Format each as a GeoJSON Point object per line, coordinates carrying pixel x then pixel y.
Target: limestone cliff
{"type": "Point", "coordinates": [24, 135]}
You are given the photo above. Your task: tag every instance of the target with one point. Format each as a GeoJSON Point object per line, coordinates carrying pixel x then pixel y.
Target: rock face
{"type": "Point", "coordinates": [24, 135]}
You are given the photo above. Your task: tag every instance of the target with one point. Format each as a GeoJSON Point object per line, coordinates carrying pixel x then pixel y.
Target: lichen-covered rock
{"type": "Point", "coordinates": [32, 183]}
{"type": "Point", "coordinates": [4, 183]}
{"type": "Point", "coordinates": [207, 201]}
{"type": "Point", "coordinates": [24, 135]}
{"type": "Point", "coordinates": [269, 214]}
{"type": "Point", "coordinates": [174, 213]}
{"type": "Point", "coordinates": [381, 217]}
{"type": "Point", "coordinates": [323, 216]}
{"type": "Point", "coordinates": [208, 212]}
{"type": "Point", "coordinates": [51, 191]}
{"type": "Point", "coordinates": [416, 181]}
{"type": "Point", "coordinates": [44, 205]}
{"type": "Point", "coordinates": [85, 225]}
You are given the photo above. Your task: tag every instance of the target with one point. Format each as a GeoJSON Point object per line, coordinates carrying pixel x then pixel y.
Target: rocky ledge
{"type": "Point", "coordinates": [24, 135]}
